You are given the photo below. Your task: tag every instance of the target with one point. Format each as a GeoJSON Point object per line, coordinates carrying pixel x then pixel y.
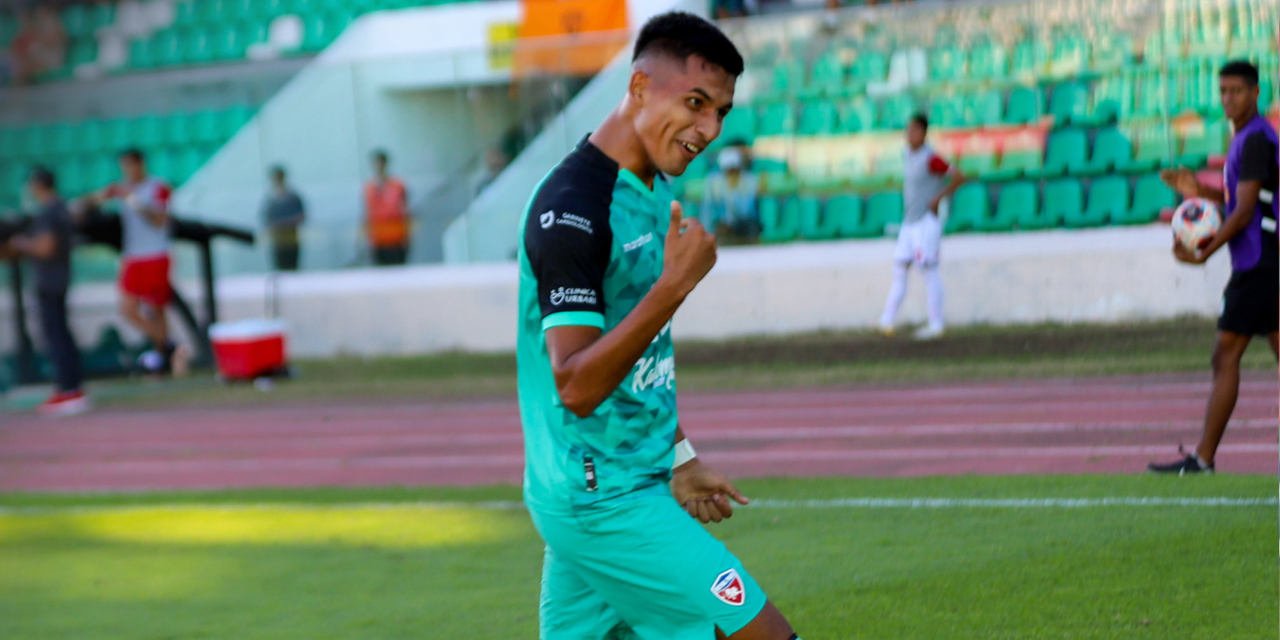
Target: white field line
{"type": "Point", "coordinates": [512, 505]}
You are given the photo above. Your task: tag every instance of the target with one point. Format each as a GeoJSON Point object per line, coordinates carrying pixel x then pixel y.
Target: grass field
{"type": "Point", "coordinates": [819, 359]}
{"type": "Point", "coordinates": [397, 563]}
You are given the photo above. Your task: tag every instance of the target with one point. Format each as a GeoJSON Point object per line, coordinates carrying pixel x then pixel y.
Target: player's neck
{"type": "Point", "coordinates": [1244, 120]}
{"type": "Point", "coordinates": [616, 137]}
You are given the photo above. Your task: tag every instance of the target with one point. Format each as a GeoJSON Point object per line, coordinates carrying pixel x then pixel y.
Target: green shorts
{"type": "Point", "coordinates": [639, 568]}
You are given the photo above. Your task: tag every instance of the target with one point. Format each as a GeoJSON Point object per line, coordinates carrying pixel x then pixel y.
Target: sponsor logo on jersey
{"type": "Point", "coordinates": [654, 372]}
{"type": "Point", "coordinates": [547, 219]}
{"type": "Point", "coordinates": [570, 295]}
{"type": "Point", "coordinates": [637, 243]}
{"type": "Point", "coordinates": [728, 588]}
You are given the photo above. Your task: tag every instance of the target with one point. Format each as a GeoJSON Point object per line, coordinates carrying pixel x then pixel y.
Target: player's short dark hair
{"type": "Point", "coordinates": [1240, 69]}
{"type": "Point", "coordinates": [920, 119]}
{"type": "Point", "coordinates": [276, 170]}
{"type": "Point", "coordinates": [680, 35]}
{"type": "Point", "coordinates": [132, 153]}
{"type": "Point", "coordinates": [379, 155]}
{"type": "Point", "coordinates": [44, 177]}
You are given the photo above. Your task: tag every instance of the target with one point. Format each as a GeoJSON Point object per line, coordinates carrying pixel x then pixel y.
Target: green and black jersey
{"type": "Point", "coordinates": [592, 246]}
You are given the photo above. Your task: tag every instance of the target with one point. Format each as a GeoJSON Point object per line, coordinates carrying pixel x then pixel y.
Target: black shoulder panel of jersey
{"type": "Point", "coordinates": [1258, 160]}
{"type": "Point", "coordinates": [567, 237]}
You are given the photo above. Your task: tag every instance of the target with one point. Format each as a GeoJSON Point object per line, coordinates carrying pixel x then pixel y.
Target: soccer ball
{"type": "Point", "coordinates": [1195, 222]}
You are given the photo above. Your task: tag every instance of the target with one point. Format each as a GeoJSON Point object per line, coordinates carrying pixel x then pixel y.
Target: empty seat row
{"type": "Point", "coordinates": [40, 142]}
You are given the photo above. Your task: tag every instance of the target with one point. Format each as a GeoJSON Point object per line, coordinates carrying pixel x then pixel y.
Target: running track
{"type": "Point", "coordinates": [1104, 425]}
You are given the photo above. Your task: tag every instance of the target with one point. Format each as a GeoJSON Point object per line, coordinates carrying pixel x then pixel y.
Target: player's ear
{"type": "Point", "coordinates": [638, 90]}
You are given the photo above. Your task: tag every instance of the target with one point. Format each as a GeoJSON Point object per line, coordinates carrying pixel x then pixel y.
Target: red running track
{"type": "Point", "coordinates": [1100, 425]}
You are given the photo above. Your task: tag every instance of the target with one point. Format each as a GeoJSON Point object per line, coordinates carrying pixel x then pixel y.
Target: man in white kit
{"type": "Point", "coordinates": [927, 180]}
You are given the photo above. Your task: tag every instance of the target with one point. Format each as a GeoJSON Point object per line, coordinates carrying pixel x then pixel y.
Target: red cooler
{"type": "Point", "coordinates": [247, 349]}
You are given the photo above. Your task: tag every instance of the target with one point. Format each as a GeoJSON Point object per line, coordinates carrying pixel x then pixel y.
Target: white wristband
{"type": "Point", "coordinates": [684, 453]}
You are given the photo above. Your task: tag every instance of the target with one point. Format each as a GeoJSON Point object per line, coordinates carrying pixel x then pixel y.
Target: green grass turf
{"type": "Point", "coordinates": [818, 359]}
{"type": "Point", "coordinates": [331, 566]}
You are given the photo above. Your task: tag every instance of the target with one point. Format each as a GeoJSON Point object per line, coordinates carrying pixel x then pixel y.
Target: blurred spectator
{"type": "Point", "coordinates": [721, 9]}
{"type": "Point", "coordinates": [39, 46]}
{"type": "Point", "coordinates": [386, 212]}
{"type": "Point", "coordinates": [47, 244]}
{"type": "Point", "coordinates": [282, 213]}
{"type": "Point", "coordinates": [495, 160]}
{"type": "Point", "coordinates": [730, 198]}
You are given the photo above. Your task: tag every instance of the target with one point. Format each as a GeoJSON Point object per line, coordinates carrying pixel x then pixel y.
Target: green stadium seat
{"type": "Point", "coordinates": [1070, 56]}
{"type": "Point", "coordinates": [883, 209]}
{"type": "Point", "coordinates": [977, 163]}
{"type": "Point", "coordinates": [969, 206]}
{"type": "Point", "coordinates": [62, 139]}
{"type": "Point", "coordinates": [788, 79]}
{"type": "Point", "coordinates": [116, 135]}
{"type": "Point", "coordinates": [1150, 195]}
{"type": "Point", "coordinates": [205, 127]}
{"type": "Point", "coordinates": [1198, 146]}
{"type": "Point", "coordinates": [178, 129]}
{"type": "Point", "coordinates": [1152, 97]}
{"type": "Point", "coordinates": [186, 14]}
{"type": "Point", "coordinates": [160, 163]}
{"type": "Point", "coordinates": [1108, 200]}
{"type": "Point", "coordinates": [1069, 104]}
{"type": "Point", "coordinates": [1113, 98]}
{"type": "Point", "coordinates": [697, 168]}
{"type": "Point", "coordinates": [1112, 52]}
{"type": "Point", "coordinates": [1017, 163]}
{"type": "Point", "coordinates": [777, 119]}
{"type": "Point", "coordinates": [269, 9]}
{"type": "Point", "coordinates": [1112, 151]}
{"type": "Point", "coordinates": [984, 109]}
{"type": "Point", "coordinates": [77, 21]}
{"type": "Point", "coordinates": [148, 131]}
{"type": "Point", "coordinates": [946, 64]}
{"type": "Point", "coordinates": [1062, 198]}
{"type": "Point", "coordinates": [82, 51]}
{"type": "Point", "coordinates": [779, 221]}
{"type": "Point", "coordinates": [845, 214]}
{"type": "Point", "coordinates": [857, 116]}
{"type": "Point", "coordinates": [1154, 150]}
{"type": "Point", "coordinates": [988, 61]}
{"type": "Point", "coordinates": [10, 143]}
{"type": "Point", "coordinates": [827, 78]}
{"type": "Point", "coordinates": [870, 66]}
{"type": "Point", "coordinates": [142, 54]}
{"type": "Point", "coordinates": [1030, 59]}
{"type": "Point", "coordinates": [947, 111]}
{"type": "Point", "coordinates": [72, 179]}
{"type": "Point", "coordinates": [231, 41]}
{"type": "Point", "coordinates": [818, 118]}
{"type": "Point", "coordinates": [101, 170]}
{"type": "Point", "coordinates": [319, 31]}
{"type": "Point", "coordinates": [813, 225]}
{"type": "Point", "coordinates": [739, 126]}
{"type": "Point", "coordinates": [894, 111]}
{"type": "Point", "coordinates": [1067, 153]}
{"type": "Point", "coordinates": [1161, 46]}
{"type": "Point", "coordinates": [1016, 204]}
{"type": "Point", "coordinates": [169, 48]}
{"type": "Point", "coordinates": [1024, 106]}
{"type": "Point", "coordinates": [777, 182]}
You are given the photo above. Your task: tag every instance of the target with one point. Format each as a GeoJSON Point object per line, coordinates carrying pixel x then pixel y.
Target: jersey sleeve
{"type": "Point", "coordinates": [1258, 159]}
{"type": "Point", "coordinates": [568, 242]}
{"type": "Point", "coordinates": [937, 165]}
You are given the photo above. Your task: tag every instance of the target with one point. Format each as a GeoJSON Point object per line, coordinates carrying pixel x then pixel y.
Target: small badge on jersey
{"type": "Point", "coordinates": [547, 219]}
{"type": "Point", "coordinates": [728, 588]}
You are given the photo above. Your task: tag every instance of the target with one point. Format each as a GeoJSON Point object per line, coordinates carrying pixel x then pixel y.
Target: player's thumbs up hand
{"type": "Point", "coordinates": [690, 251]}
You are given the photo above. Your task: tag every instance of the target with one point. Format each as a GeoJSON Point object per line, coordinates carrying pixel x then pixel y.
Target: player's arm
{"type": "Point", "coordinates": [41, 245]}
{"type": "Point", "coordinates": [938, 165]}
{"type": "Point", "coordinates": [589, 364]}
{"type": "Point", "coordinates": [1184, 181]}
{"type": "Point", "coordinates": [1246, 202]}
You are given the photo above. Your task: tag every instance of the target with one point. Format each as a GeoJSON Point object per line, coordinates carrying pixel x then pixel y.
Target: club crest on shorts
{"type": "Point", "coordinates": [728, 588]}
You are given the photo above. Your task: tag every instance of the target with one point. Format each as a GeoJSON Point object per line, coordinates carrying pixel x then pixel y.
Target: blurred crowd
{"type": "Point", "coordinates": [38, 45]}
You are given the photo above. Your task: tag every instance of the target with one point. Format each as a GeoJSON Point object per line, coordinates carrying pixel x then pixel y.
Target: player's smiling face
{"type": "Point", "coordinates": [681, 110]}
{"type": "Point", "coordinates": [1238, 98]}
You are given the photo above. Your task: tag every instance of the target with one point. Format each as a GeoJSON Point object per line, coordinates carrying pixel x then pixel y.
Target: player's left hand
{"type": "Point", "coordinates": [934, 204]}
{"type": "Point", "coordinates": [705, 493]}
{"type": "Point", "coordinates": [1183, 254]}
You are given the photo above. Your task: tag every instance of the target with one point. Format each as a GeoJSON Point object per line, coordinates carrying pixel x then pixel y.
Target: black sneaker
{"type": "Point", "coordinates": [1190, 464]}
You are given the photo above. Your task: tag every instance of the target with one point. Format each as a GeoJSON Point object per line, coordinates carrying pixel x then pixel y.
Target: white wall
{"type": "Point", "coordinates": [1065, 276]}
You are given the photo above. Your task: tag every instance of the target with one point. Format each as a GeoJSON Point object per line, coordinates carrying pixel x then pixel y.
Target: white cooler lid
{"type": "Point", "coordinates": [247, 329]}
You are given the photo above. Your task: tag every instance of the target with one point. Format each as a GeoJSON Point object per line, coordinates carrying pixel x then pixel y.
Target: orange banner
{"type": "Point", "coordinates": [591, 33]}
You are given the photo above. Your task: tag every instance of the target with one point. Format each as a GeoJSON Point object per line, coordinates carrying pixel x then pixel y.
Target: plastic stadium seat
{"type": "Point", "coordinates": [10, 143]}
{"type": "Point", "coordinates": [1197, 147]}
{"type": "Point", "coordinates": [186, 13]}
{"type": "Point", "coordinates": [977, 163]}
{"type": "Point", "coordinates": [205, 127]}
{"type": "Point", "coordinates": [148, 131]}
{"type": "Point", "coordinates": [1017, 203]}
{"type": "Point", "coordinates": [142, 54]}
{"type": "Point", "coordinates": [101, 170]}
{"type": "Point", "coordinates": [1150, 195]}
{"type": "Point", "coordinates": [1024, 106]}
{"type": "Point", "coordinates": [844, 213]}
{"type": "Point", "coordinates": [984, 109]}
{"type": "Point", "coordinates": [777, 118]}
{"type": "Point", "coordinates": [1062, 199]}
{"type": "Point", "coordinates": [946, 64]}
{"type": "Point", "coordinates": [1112, 52]}
{"type": "Point", "coordinates": [888, 165]}
{"type": "Point", "coordinates": [62, 139]}
{"type": "Point", "coordinates": [818, 118]}
{"type": "Point", "coordinates": [1161, 45]}
{"type": "Point", "coordinates": [36, 142]}
{"type": "Point", "coordinates": [969, 206]}
{"type": "Point", "coordinates": [697, 168]}
{"type": "Point", "coordinates": [813, 225]}
{"type": "Point", "coordinates": [870, 66]}
{"type": "Point", "coordinates": [1070, 55]}
{"type": "Point", "coordinates": [1030, 58]}
{"type": "Point", "coordinates": [947, 111]}
{"type": "Point", "coordinates": [1066, 153]}
{"type": "Point", "coordinates": [1112, 151]}
{"type": "Point", "coordinates": [1154, 150]}
{"type": "Point", "coordinates": [1113, 98]}
{"type": "Point", "coordinates": [198, 46]}
{"type": "Point", "coordinates": [1108, 200]}
{"type": "Point", "coordinates": [169, 48]}
{"type": "Point", "coordinates": [116, 135]}
{"type": "Point", "coordinates": [883, 209]}
{"type": "Point", "coordinates": [179, 130]}
{"type": "Point", "coordinates": [857, 116]}
{"type": "Point", "coordinates": [988, 61]}
{"type": "Point", "coordinates": [827, 77]}
{"type": "Point", "coordinates": [268, 9]}
{"type": "Point", "coordinates": [318, 31]}
{"type": "Point", "coordinates": [1069, 104]}
{"type": "Point", "coordinates": [779, 222]}
{"type": "Point", "coordinates": [739, 126]}
{"type": "Point", "coordinates": [788, 78]}
{"type": "Point", "coordinates": [1152, 96]}
{"type": "Point", "coordinates": [1017, 163]}
{"type": "Point", "coordinates": [894, 112]}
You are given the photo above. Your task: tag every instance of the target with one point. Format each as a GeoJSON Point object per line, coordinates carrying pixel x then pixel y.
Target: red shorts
{"type": "Point", "coordinates": [146, 278]}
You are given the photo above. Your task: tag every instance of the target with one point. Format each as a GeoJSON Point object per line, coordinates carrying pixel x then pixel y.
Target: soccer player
{"type": "Point", "coordinates": [606, 258]}
{"type": "Point", "coordinates": [144, 270]}
{"type": "Point", "coordinates": [1250, 303]}
{"type": "Point", "coordinates": [927, 179]}
{"type": "Point", "coordinates": [47, 244]}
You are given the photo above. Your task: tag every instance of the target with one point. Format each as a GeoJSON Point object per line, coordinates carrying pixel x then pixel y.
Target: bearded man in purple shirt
{"type": "Point", "coordinates": [1251, 302]}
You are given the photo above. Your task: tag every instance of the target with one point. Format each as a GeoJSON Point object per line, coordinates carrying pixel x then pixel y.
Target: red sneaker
{"type": "Point", "coordinates": [65, 403]}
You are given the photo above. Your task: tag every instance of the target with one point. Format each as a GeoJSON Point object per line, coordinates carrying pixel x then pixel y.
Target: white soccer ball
{"type": "Point", "coordinates": [1195, 222]}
